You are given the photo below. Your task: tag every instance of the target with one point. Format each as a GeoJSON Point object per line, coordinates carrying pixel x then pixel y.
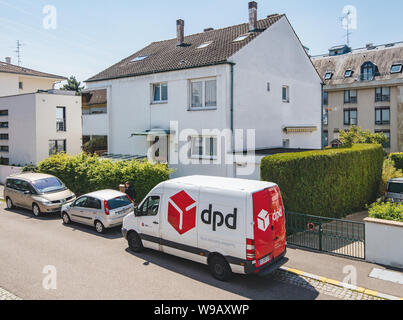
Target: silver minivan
{"type": "Point", "coordinates": [102, 209]}
{"type": "Point", "coordinates": [41, 193]}
{"type": "Point", "coordinates": [395, 190]}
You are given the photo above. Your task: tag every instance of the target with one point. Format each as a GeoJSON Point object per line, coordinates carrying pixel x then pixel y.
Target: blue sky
{"type": "Point", "coordinates": [92, 35]}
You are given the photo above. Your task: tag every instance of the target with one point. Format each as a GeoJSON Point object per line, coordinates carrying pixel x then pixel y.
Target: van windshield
{"type": "Point", "coordinates": [395, 188]}
{"type": "Point", "coordinates": [119, 202]}
{"type": "Point", "coordinates": [48, 185]}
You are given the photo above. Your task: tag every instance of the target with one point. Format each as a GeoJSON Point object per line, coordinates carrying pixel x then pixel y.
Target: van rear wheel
{"type": "Point", "coordinates": [135, 243]}
{"type": "Point", "coordinates": [220, 268]}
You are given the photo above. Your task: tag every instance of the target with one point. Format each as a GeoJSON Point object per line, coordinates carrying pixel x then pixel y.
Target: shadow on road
{"type": "Point", "coordinates": [29, 215]}
{"type": "Point", "coordinates": [112, 233]}
{"type": "Point", "coordinates": [249, 286]}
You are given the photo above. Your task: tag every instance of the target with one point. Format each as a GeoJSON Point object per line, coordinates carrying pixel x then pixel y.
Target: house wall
{"type": "Point", "coordinates": [365, 106]}
{"type": "Point", "coordinates": [130, 110]}
{"type": "Point", "coordinates": [9, 84]}
{"type": "Point", "coordinates": [277, 57]}
{"type": "Point", "coordinates": [33, 84]}
{"type": "Point", "coordinates": [46, 123]}
{"type": "Point", "coordinates": [32, 123]}
{"type": "Point", "coordinates": [95, 124]}
{"type": "Point", "coordinates": [22, 129]}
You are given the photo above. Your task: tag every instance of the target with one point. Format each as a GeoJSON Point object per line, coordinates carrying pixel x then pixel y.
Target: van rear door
{"type": "Point", "coordinates": [269, 225]}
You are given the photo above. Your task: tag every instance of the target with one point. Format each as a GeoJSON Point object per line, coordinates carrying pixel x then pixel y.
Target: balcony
{"type": "Point", "coordinates": [60, 125]}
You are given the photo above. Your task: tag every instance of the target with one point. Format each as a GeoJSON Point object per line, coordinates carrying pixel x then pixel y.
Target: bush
{"type": "Point", "coordinates": [356, 135]}
{"type": "Point", "coordinates": [389, 172]}
{"type": "Point", "coordinates": [87, 173]}
{"type": "Point", "coordinates": [397, 158]}
{"type": "Point", "coordinates": [386, 211]}
{"type": "Point", "coordinates": [330, 183]}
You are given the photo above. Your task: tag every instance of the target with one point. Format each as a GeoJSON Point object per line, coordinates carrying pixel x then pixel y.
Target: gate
{"type": "Point", "coordinates": [340, 237]}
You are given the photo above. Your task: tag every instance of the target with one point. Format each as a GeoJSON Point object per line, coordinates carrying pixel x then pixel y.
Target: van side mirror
{"type": "Point", "coordinates": [27, 192]}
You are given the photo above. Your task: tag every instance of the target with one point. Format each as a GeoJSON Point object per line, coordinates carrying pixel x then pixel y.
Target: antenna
{"type": "Point", "coordinates": [18, 51]}
{"type": "Point", "coordinates": [346, 24]}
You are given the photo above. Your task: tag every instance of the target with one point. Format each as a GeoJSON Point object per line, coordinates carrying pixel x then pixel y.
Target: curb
{"type": "Point", "coordinates": [341, 284]}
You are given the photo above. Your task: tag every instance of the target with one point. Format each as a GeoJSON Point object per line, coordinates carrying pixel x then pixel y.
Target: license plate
{"type": "Point", "coordinates": [264, 260]}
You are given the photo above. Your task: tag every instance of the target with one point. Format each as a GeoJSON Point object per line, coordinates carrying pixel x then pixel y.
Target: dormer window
{"type": "Point", "coordinates": [241, 38]}
{"type": "Point", "coordinates": [348, 74]}
{"type": "Point", "coordinates": [328, 75]}
{"type": "Point", "coordinates": [396, 68]}
{"type": "Point", "coordinates": [368, 71]}
{"type": "Point", "coordinates": [204, 45]}
{"type": "Point", "coordinates": [139, 58]}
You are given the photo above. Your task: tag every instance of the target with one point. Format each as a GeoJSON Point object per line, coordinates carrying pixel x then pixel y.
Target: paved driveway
{"type": "Point", "coordinates": [90, 266]}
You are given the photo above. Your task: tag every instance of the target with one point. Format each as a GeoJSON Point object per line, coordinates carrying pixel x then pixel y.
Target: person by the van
{"type": "Point", "coordinates": [129, 190]}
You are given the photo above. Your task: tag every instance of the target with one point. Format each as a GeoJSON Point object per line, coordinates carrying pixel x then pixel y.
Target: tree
{"type": "Point", "coordinates": [73, 85]}
{"type": "Point", "coordinates": [357, 135]}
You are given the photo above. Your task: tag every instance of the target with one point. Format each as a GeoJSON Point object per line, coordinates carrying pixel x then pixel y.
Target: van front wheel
{"type": "Point", "coordinates": [134, 241]}
{"type": "Point", "coordinates": [220, 268]}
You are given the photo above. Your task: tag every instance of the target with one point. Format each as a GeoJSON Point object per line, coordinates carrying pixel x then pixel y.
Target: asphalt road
{"type": "Point", "coordinates": [92, 266]}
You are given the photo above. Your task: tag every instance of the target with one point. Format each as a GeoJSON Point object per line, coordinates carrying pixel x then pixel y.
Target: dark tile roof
{"type": "Point", "coordinates": [93, 97]}
{"type": "Point", "coordinates": [165, 56]}
{"type": "Point", "coordinates": [10, 68]}
{"type": "Point", "coordinates": [382, 56]}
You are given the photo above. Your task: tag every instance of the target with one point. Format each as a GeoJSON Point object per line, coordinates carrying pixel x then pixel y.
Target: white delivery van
{"type": "Point", "coordinates": [232, 225]}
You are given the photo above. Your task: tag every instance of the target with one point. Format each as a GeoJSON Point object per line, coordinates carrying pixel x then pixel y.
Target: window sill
{"type": "Point", "coordinates": [286, 101]}
{"type": "Point", "coordinates": [202, 108]}
{"type": "Point", "coordinates": [158, 102]}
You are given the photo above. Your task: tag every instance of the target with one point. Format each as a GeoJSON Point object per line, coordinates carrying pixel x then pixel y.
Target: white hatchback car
{"type": "Point", "coordinates": [102, 209]}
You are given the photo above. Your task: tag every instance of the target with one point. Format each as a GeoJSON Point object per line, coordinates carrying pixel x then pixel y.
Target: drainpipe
{"type": "Point", "coordinates": [321, 120]}
{"type": "Point", "coordinates": [232, 114]}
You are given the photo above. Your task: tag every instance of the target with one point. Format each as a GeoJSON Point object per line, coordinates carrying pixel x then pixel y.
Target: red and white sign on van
{"type": "Point", "coordinates": [182, 212]}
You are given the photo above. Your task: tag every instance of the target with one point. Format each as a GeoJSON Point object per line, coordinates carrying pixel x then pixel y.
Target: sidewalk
{"type": "Point", "coordinates": [332, 267]}
{"type": "Point", "coordinates": [5, 295]}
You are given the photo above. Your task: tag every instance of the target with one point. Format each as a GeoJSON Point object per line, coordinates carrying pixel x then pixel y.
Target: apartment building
{"type": "Point", "coordinates": [254, 75]}
{"type": "Point", "coordinates": [363, 87]}
{"type": "Point", "coordinates": [34, 126]}
{"type": "Point", "coordinates": [20, 80]}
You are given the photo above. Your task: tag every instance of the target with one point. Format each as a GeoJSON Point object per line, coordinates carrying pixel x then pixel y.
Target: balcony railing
{"type": "Point", "coordinates": [60, 125]}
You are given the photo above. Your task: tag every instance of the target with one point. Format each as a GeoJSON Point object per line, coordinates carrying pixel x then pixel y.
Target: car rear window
{"type": "Point", "coordinates": [395, 188]}
{"type": "Point", "coordinates": [119, 202]}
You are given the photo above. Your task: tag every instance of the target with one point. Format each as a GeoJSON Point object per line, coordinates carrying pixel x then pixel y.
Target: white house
{"type": "Point", "coordinates": [36, 125]}
{"type": "Point", "coordinates": [253, 76]}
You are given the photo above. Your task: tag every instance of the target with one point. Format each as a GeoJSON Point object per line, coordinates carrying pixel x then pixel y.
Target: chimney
{"type": "Point", "coordinates": [180, 32]}
{"type": "Point", "coordinates": [208, 29]}
{"type": "Point", "coordinates": [252, 16]}
{"type": "Point", "coordinates": [8, 60]}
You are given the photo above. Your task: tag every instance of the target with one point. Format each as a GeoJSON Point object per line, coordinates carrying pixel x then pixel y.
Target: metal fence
{"type": "Point", "coordinates": [341, 237]}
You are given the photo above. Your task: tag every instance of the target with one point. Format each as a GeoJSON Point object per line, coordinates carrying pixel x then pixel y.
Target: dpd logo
{"type": "Point", "coordinates": [182, 212]}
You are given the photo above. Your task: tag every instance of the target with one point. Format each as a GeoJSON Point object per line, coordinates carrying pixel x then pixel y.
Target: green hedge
{"type": "Point", "coordinates": [386, 211]}
{"type": "Point", "coordinates": [330, 183]}
{"type": "Point", "coordinates": [87, 173]}
{"type": "Point", "coordinates": [397, 158]}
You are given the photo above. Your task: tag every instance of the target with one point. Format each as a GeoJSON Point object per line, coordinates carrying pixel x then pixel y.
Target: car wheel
{"type": "Point", "coordinates": [36, 211]}
{"type": "Point", "coordinates": [99, 227]}
{"type": "Point", "coordinates": [220, 268]}
{"type": "Point", "coordinates": [66, 218]}
{"type": "Point", "coordinates": [135, 243]}
{"type": "Point", "coordinates": [10, 204]}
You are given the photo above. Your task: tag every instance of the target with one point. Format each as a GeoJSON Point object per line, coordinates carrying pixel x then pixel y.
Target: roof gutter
{"type": "Point", "coordinates": [159, 71]}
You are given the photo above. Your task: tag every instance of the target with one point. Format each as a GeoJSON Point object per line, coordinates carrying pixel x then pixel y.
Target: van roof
{"type": "Point", "coordinates": [396, 180]}
{"type": "Point", "coordinates": [30, 176]}
{"type": "Point", "coordinates": [223, 183]}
